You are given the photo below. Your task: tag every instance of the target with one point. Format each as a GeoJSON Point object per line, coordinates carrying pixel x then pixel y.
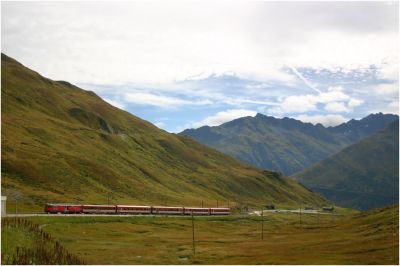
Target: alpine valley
{"type": "Point", "coordinates": [64, 144]}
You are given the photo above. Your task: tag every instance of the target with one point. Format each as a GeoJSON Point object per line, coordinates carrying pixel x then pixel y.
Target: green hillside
{"type": "Point", "coordinates": [364, 175]}
{"type": "Point", "coordinates": [285, 145]}
{"type": "Point", "coordinates": [64, 144]}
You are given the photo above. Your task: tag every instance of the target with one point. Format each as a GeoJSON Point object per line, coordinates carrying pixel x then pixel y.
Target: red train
{"type": "Point", "coordinates": [131, 209]}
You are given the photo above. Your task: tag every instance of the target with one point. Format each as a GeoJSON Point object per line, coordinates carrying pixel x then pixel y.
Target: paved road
{"type": "Point", "coordinates": [294, 211]}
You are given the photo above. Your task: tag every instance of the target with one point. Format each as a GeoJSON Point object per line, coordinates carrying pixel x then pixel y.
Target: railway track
{"type": "Point", "coordinates": [104, 215]}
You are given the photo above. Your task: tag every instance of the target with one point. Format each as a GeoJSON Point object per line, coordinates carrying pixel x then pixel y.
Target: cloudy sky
{"type": "Point", "coordinates": [186, 64]}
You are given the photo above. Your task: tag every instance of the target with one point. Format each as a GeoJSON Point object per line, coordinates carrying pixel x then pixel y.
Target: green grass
{"type": "Point", "coordinates": [23, 242]}
{"type": "Point", "coordinates": [362, 238]}
{"type": "Point", "coordinates": [63, 144]}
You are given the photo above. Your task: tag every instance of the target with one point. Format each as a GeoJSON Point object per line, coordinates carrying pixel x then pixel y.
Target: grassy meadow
{"type": "Point", "coordinates": [362, 238]}
{"type": "Point", "coordinates": [23, 242]}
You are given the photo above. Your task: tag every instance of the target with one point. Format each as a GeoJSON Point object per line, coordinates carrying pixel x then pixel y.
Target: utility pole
{"type": "Point", "coordinates": [300, 215]}
{"type": "Point", "coordinates": [194, 247]}
{"type": "Point", "coordinates": [262, 224]}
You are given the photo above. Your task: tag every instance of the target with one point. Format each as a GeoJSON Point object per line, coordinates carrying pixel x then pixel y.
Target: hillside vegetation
{"type": "Point", "coordinates": [364, 175]}
{"type": "Point", "coordinates": [64, 144]}
{"type": "Point", "coordinates": [286, 145]}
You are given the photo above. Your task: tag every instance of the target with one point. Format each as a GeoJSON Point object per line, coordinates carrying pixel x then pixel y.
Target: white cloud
{"type": "Point", "coordinates": [334, 94]}
{"type": "Point", "coordinates": [334, 99]}
{"type": "Point", "coordinates": [157, 46]}
{"type": "Point", "coordinates": [239, 101]}
{"type": "Point", "coordinates": [393, 107]}
{"type": "Point", "coordinates": [387, 88]}
{"type": "Point", "coordinates": [157, 42]}
{"type": "Point", "coordinates": [222, 117]}
{"type": "Point", "coordinates": [297, 104]}
{"type": "Point", "coordinates": [115, 103]}
{"type": "Point", "coordinates": [144, 98]}
{"type": "Point", "coordinates": [340, 50]}
{"type": "Point", "coordinates": [336, 107]}
{"type": "Point", "coordinates": [354, 103]}
{"type": "Point", "coordinates": [389, 71]}
{"type": "Point", "coordinates": [388, 108]}
{"type": "Point", "coordinates": [326, 120]}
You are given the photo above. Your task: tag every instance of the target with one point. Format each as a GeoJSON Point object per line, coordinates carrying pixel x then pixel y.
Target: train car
{"type": "Point", "coordinates": [167, 210]}
{"type": "Point", "coordinates": [99, 209]}
{"type": "Point", "coordinates": [130, 209]}
{"type": "Point", "coordinates": [220, 211]}
{"type": "Point", "coordinates": [62, 208]}
{"type": "Point", "coordinates": [196, 211]}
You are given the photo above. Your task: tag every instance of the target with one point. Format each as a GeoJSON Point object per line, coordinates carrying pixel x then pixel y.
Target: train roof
{"type": "Point", "coordinates": [63, 204]}
{"type": "Point", "coordinates": [135, 206]}
{"type": "Point", "coordinates": [168, 207]}
{"type": "Point", "coordinates": [97, 205]}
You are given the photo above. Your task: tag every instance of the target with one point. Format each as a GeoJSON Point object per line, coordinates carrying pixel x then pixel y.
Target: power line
{"type": "Point", "coordinates": [194, 247]}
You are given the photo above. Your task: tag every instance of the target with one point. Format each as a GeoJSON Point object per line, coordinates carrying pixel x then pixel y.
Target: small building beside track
{"type": "Point", "coordinates": [3, 205]}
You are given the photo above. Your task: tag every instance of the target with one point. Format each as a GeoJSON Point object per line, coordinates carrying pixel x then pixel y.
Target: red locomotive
{"type": "Point", "coordinates": [62, 208]}
{"type": "Point", "coordinates": [131, 209]}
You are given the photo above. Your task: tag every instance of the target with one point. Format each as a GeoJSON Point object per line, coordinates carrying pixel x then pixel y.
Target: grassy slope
{"type": "Point", "coordinates": [25, 243]}
{"type": "Point", "coordinates": [363, 175]}
{"type": "Point", "coordinates": [364, 238]}
{"type": "Point", "coordinates": [61, 143]}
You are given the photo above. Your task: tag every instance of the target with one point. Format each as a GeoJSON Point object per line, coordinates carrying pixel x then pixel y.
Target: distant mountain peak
{"type": "Point", "coordinates": [259, 115]}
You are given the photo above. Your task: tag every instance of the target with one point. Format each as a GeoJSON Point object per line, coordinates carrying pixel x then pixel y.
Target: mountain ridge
{"type": "Point", "coordinates": [286, 145]}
